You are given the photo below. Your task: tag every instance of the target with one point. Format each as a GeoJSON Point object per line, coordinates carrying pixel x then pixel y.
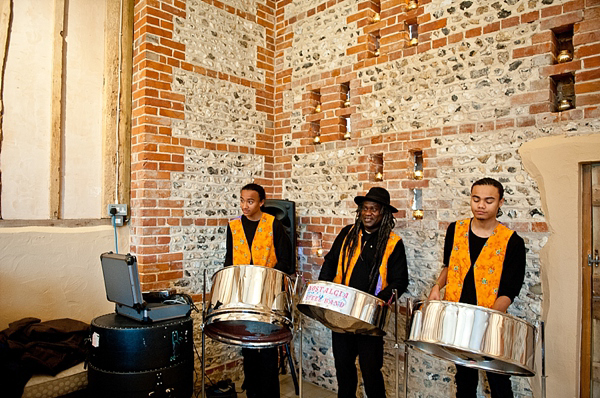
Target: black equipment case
{"type": "Point", "coordinates": [132, 359]}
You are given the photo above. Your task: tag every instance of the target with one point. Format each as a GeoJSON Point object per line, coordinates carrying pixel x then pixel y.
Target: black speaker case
{"type": "Point", "coordinates": [284, 211]}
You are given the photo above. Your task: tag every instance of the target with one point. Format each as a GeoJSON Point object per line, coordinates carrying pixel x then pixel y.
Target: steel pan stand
{"type": "Point", "coordinates": [301, 390]}
{"type": "Point", "coordinates": [409, 308]}
{"type": "Point", "coordinates": [542, 327]}
{"type": "Point", "coordinates": [203, 335]}
{"type": "Point", "coordinates": [396, 347]}
{"type": "Point", "coordinates": [299, 276]}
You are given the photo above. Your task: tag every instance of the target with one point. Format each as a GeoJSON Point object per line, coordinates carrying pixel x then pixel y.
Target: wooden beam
{"type": "Point", "coordinates": [109, 107]}
{"type": "Point", "coordinates": [116, 170]}
{"type": "Point", "coordinates": [57, 107]}
{"type": "Point", "coordinates": [126, 103]}
{"type": "Point", "coordinates": [5, 17]}
{"type": "Point", "coordinates": [586, 283]}
{"type": "Point", "coordinates": [64, 223]}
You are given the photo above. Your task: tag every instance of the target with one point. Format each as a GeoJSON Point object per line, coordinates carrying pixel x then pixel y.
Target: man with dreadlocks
{"type": "Point", "coordinates": [370, 257]}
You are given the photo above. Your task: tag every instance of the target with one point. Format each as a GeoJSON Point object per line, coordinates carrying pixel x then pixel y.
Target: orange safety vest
{"type": "Point", "coordinates": [487, 269]}
{"type": "Point", "coordinates": [382, 283]}
{"type": "Point", "coordinates": [263, 249]}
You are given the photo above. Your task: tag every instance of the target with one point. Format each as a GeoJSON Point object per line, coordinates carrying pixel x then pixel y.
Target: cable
{"type": "Point", "coordinates": [200, 359]}
{"type": "Point", "coordinates": [195, 380]}
{"type": "Point", "coordinates": [181, 298]}
{"type": "Point", "coordinates": [116, 235]}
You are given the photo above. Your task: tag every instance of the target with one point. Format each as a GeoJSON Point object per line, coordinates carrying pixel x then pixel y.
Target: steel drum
{"type": "Point", "coordinates": [344, 309]}
{"type": "Point", "coordinates": [250, 306]}
{"type": "Point", "coordinates": [473, 336]}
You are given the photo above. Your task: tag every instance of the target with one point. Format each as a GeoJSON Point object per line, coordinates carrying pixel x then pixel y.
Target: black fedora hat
{"type": "Point", "coordinates": [378, 195]}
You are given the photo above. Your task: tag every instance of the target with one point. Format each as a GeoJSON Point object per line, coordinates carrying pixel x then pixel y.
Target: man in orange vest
{"type": "Point", "coordinates": [370, 257]}
{"type": "Point", "coordinates": [484, 264]}
{"type": "Point", "coordinates": [258, 238]}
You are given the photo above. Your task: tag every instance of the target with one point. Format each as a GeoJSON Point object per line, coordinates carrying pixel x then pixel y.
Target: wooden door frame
{"type": "Point", "coordinates": [585, 377]}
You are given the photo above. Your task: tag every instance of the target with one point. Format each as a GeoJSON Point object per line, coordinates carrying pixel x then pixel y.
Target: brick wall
{"type": "Point", "coordinates": [227, 93]}
{"type": "Point", "coordinates": [202, 128]}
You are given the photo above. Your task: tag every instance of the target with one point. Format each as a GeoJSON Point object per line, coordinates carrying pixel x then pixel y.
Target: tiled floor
{"type": "Point", "coordinates": [309, 390]}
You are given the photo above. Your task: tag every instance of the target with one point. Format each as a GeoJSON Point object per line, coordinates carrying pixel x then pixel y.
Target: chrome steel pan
{"type": "Point", "coordinates": [344, 309]}
{"type": "Point", "coordinates": [474, 336]}
{"type": "Point", "coordinates": [250, 306]}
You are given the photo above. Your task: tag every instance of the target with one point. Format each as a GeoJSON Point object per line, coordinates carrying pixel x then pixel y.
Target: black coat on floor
{"type": "Point", "coordinates": [29, 346]}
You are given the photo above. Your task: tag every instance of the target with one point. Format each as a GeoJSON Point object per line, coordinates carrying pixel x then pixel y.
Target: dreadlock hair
{"type": "Point", "coordinates": [351, 243]}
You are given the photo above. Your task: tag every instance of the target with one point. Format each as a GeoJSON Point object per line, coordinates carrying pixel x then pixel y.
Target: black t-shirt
{"type": "Point", "coordinates": [283, 246]}
{"type": "Point", "coordinates": [513, 268]}
{"type": "Point", "coordinates": [397, 276]}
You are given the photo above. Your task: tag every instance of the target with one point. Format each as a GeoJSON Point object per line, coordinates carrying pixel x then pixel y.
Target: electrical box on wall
{"type": "Point", "coordinates": [119, 213]}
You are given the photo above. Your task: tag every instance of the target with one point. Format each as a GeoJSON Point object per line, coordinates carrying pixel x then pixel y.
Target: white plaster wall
{"type": "Point", "coordinates": [83, 109]}
{"type": "Point", "coordinates": [554, 162]}
{"type": "Point", "coordinates": [51, 272]}
{"type": "Point", "coordinates": [25, 155]}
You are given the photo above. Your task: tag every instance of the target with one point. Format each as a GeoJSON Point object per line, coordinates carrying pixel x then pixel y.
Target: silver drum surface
{"type": "Point", "coordinates": [344, 309]}
{"type": "Point", "coordinates": [474, 336]}
{"type": "Point", "coordinates": [250, 306]}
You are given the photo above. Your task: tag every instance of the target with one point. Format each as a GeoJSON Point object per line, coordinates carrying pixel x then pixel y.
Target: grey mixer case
{"type": "Point", "coordinates": [123, 288]}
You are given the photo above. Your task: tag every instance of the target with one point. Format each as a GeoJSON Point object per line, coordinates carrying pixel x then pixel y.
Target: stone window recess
{"type": "Point", "coordinates": [315, 100]}
{"type": "Point", "coordinates": [563, 90]}
{"type": "Point", "coordinates": [346, 92]}
{"type": "Point", "coordinates": [376, 167]}
{"type": "Point", "coordinates": [376, 7]}
{"type": "Point", "coordinates": [563, 44]}
{"type": "Point", "coordinates": [315, 131]}
{"type": "Point", "coordinates": [348, 127]}
{"type": "Point", "coordinates": [417, 157]}
{"type": "Point", "coordinates": [317, 243]}
{"type": "Point", "coordinates": [417, 204]}
{"type": "Point", "coordinates": [374, 43]}
{"type": "Point", "coordinates": [413, 32]}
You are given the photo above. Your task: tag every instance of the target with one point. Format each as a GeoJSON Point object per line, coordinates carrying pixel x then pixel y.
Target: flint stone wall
{"type": "Point", "coordinates": [217, 111]}
{"type": "Point", "coordinates": [221, 41]}
{"type": "Point", "coordinates": [320, 182]}
{"type": "Point", "coordinates": [321, 41]}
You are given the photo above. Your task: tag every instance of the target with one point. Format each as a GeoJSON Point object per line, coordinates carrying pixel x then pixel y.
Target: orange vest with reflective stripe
{"type": "Point", "coordinates": [487, 269]}
{"type": "Point", "coordinates": [263, 249]}
{"type": "Point", "coordinates": [391, 244]}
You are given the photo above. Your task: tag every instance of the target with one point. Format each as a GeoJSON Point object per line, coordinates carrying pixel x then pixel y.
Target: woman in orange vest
{"type": "Point", "coordinates": [484, 264]}
{"type": "Point", "coordinates": [368, 256]}
{"type": "Point", "coordinates": [257, 238]}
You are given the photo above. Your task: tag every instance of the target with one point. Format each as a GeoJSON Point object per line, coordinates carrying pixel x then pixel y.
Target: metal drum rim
{"type": "Point", "coordinates": [249, 266]}
{"type": "Point", "coordinates": [477, 307]}
{"type": "Point", "coordinates": [239, 342]}
{"type": "Point", "coordinates": [374, 331]}
{"type": "Point", "coordinates": [214, 314]}
{"type": "Point", "coordinates": [377, 299]}
{"type": "Point", "coordinates": [529, 372]}
{"type": "Point", "coordinates": [383, 320]}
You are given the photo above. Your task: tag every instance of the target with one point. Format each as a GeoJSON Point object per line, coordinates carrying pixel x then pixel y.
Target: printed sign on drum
{"type": "Point", "coordinates": [328, 297]}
